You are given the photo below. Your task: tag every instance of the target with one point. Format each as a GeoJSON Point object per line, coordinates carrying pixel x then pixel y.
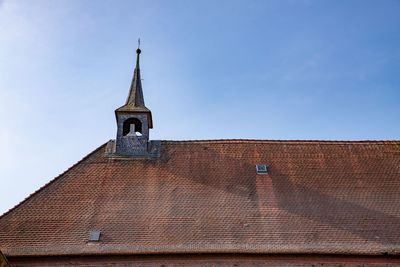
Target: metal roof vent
{"type": "Point", "coordinates": [261, 169]}
{"type": "Point", "coordinates": [94, 235]}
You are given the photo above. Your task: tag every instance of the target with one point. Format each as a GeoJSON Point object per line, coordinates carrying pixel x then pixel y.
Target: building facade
{"type": "Point", "coordinates": [140, 202]}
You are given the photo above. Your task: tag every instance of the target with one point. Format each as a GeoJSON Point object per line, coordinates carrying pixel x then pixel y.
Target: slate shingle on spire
{"type": "Point", "coordinates": [135, 100]}
{"type": "Point", "coordinates": [135, 96]}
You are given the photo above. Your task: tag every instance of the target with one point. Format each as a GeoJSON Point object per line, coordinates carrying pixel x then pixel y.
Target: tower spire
{"type": "Point", "coordinates": [135, 96]}
{"type": "Point", "coordinates": [134, 119]}
{"type": "Point", "coordinates": [135, 100]}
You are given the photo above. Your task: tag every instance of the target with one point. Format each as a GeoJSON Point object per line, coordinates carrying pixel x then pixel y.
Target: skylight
{"type": "Point", "coordinates": [261, 168]}
{"type": "Point", "coordinates": [94, 235]}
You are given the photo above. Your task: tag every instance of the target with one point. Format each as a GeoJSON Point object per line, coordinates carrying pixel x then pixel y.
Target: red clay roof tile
{"type": "Point", "coordinates": [205, 196]}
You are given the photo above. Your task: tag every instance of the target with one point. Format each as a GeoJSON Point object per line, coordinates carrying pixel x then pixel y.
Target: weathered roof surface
{"type": "Point", "coordinates": [205, 196]}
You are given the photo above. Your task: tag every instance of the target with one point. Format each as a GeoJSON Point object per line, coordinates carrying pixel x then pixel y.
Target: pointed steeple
{"type": "Point", "coordinates": [135, 97]}
{"type": "Point", "coordinates": [134, 121]}
{"type": "Point", "coordinates": [135, 101]}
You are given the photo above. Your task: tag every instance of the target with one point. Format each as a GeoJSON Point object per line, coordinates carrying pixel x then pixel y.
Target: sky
{"type": "Point", "coordinates": [268, 69]}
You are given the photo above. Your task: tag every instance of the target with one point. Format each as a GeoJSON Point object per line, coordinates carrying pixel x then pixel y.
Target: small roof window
{"type": "Point", "coordinates": [261, 168]}
{"type": "Point", "coordinates": [94, 235]}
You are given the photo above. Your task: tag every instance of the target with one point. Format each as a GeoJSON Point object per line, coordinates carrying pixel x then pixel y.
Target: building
{"type": "Point", "coordinates": [136, 202]}
{"type": "Point", "coordinates": [3, 261]}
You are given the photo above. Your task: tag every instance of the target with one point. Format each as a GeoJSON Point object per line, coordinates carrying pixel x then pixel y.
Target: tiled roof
{"type": "Point", "coordinates": [205, 196]}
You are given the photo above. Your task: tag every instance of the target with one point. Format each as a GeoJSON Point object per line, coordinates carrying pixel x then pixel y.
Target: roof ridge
{"type": "Point", "coordinates": [51, 181]}
{"type": "Point", "coordinates": [280, 141]}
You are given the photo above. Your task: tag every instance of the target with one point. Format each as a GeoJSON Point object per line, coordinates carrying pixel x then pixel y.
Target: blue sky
{"type": "Point", "coordinates": [287, 69]}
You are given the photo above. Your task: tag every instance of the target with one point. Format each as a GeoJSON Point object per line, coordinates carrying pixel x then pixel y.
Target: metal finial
{"type": "Point", "coordinates": [138, 49]}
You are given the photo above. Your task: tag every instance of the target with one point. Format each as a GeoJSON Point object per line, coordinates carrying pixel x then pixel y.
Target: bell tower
{"type": "Point", "coordinates": [134, 120]}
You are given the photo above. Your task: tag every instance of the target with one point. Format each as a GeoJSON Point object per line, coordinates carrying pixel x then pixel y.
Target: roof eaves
{"type": "Point", "coordinates": [245, 249]}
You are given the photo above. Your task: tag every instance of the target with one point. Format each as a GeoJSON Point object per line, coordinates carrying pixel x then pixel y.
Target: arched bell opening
{"type": "Point", "coordinates": [132, 126]}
